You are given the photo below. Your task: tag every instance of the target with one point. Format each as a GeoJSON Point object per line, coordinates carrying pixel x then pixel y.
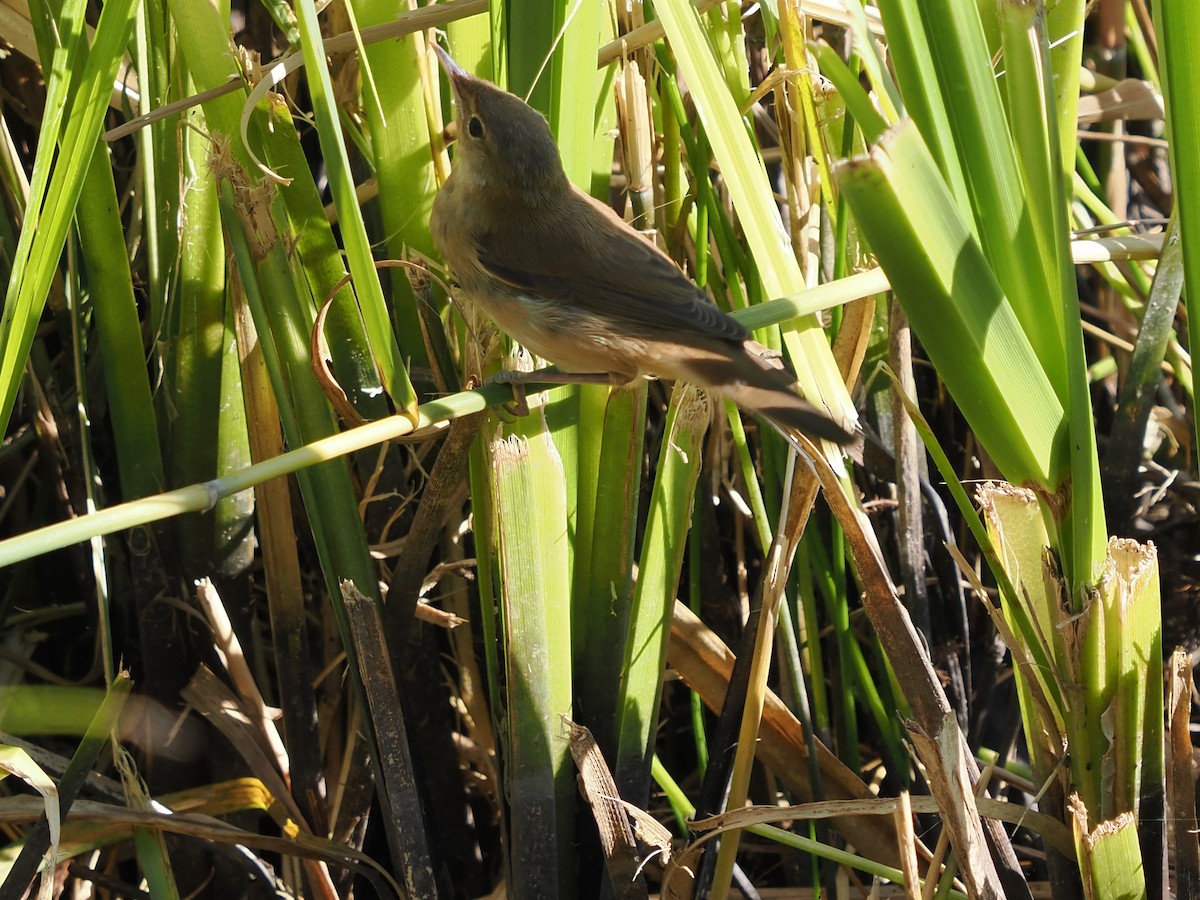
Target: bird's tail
{"type": "Point", "coordinates": [762, 385]}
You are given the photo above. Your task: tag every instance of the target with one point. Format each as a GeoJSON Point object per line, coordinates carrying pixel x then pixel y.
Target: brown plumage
{"type": "Point", "coordinates": [562, 274]}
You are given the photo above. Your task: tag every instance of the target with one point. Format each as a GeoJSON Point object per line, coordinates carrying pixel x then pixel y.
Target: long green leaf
{"type": "Point", "coordinates": [51, 210]}
{"type": "Point", "coordinates": [1178, 28]}
{"type": "Point", "coordinates": [753, 199]}
{"type": "Point", "coordinates": [661, 561]}
{"type": "Point", "coordinates": [354, 233]}
{"type": "Point", "coordinates": [535, 578]}
{"type": "Point", "coordinates": [956, 307]}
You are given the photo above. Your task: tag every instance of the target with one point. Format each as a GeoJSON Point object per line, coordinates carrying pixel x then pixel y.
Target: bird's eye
{"type": "Point", "coordinates": [475, 128]}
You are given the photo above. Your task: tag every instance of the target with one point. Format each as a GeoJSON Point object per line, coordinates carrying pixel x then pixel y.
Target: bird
{"type": "Point", "coordinates": [565, 276]}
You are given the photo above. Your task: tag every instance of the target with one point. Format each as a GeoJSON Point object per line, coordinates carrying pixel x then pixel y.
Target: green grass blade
{"type": "Point", "coordinates": [399, 123]}
{"type": "Point", "coordinates": [135, 423]}
{"type": "Point", "coordinates": [323, 267]}
{"type": "Point", "coordinates": [858, 104]}
{"type": "Point", "coordinates": [1064, 31]}
{"type": "Point", "coordinates": [201, 350]}
{"type": "Point", "coordinates": [753, 199]}
{"type": "Point", "coordinates": [535, 580]}
{"type": "Point", "coordinates": [46, 225]}
{"type": "Point", "coordinates": [602, 593]}
{"type": "Point", "coordinates": [661, 562]}
{"type": "Point", "coordinates": [953, 301]}
{"type": "Point", "coordinates": [974, 137]}
{"type": "Point", "coordinates": [1035, 131]}
{"type": "Point", "coordinates": [354, 232]}
{"type": "Point", "coordinates": [1178, 27]}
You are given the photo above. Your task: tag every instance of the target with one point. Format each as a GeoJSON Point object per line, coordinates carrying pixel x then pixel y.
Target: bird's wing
{"type": "Point", "coordinates": [593, 260]}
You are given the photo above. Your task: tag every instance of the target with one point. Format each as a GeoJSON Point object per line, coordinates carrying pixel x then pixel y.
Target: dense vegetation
{"type": "Point", "coordinates": [292, 604]}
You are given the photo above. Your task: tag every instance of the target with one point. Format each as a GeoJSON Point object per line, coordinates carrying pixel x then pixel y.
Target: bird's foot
{"type": "Point", "coordinates": [519, 406]}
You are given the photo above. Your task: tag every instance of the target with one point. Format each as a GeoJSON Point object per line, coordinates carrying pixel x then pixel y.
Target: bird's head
{"type": "Point", "coordinates": [504, 144]}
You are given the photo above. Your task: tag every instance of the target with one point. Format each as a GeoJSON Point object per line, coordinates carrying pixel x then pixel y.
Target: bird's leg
{"type": "Point", "coordinates": [550, 375]}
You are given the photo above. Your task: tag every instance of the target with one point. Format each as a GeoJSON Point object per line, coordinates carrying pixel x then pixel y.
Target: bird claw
{"type": "Point", "coordinates": [519, 406]}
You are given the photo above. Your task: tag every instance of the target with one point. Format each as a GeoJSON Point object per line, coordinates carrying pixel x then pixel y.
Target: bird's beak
{"type": "Point", "coordinates": [456, 73]}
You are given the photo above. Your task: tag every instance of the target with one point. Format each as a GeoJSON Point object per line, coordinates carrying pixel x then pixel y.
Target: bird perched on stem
{"type": "Point", "coordinates": [562, 274]}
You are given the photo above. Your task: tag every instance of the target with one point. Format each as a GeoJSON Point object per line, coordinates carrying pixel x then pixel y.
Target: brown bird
{"type": "Point", "coordinates": [562, 274]}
